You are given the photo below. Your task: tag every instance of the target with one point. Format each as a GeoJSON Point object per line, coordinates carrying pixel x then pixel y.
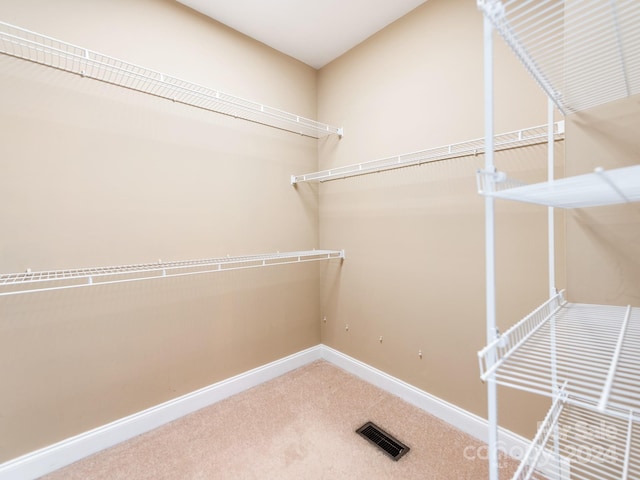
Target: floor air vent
{"type": "Point", "coordinates": [383, 440]}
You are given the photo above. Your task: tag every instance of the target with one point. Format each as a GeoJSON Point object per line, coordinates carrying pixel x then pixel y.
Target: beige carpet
{"type": "Point", "coordinates": [298, 426]}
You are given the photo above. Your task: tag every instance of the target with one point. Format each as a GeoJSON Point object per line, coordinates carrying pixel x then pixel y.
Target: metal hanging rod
{"type": "Point", "coordinates": [594, 351]}
{"type": "Point", "coordinates": [503, 141]}
{"type": "Point", "coordinates": [602, 187]}
{"type": "Point", "coordinates": [26, 282]}
{"type": "Point", "coordinates": [582, 54]}
{"type": "Point", "coordinates": [43, 50]}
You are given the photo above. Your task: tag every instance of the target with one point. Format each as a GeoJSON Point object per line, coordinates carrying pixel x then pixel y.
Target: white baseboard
{"type": "Point", "coordinates": [58, 455]}
{"type": "Point", "coordinates": [48, 459]}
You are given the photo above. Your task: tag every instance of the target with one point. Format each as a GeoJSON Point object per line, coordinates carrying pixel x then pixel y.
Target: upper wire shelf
{"type": "Point", "coordinates": [503, 141]}
{"type": "Point", "coordinates": [25, 282]}
{"type": "Point", "coordinates": [34, 47]}
{"type": "Point", "coordinates": [583, 53]}
{"type": "Point", "coordinates": [593, 348]}
{"type": "Point", "coordinates": [602, 187]}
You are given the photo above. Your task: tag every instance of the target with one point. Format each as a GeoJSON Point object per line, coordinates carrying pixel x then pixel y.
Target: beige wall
{"type": "Point", "coordinates": [604, 242]}
{"type": "Point", "coordinates": [415, 269]}
{"type": "Point", "coordinates": [96, 175]}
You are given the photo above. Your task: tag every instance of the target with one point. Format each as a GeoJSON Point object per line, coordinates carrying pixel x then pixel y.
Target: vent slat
{"type": "Point", "coordinates": [389, 445]}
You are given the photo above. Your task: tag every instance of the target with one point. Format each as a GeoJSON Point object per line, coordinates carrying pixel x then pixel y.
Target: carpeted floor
{"type": "Point", "coordinates": [298, 426]}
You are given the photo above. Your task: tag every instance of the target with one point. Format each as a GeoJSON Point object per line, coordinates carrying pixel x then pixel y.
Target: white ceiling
{"type": "Point", "coordinates": [314, 32]}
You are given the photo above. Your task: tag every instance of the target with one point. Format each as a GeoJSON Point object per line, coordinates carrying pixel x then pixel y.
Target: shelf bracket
{"type": "Point", "coordinates": [487, 180]}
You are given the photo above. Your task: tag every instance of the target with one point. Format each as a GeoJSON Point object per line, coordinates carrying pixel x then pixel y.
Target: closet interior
{"type": "Point", "coordinates": [583, 357]}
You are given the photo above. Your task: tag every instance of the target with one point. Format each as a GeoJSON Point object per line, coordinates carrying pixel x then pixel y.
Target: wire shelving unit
{"type": "Point", "coordinates": [503, 141]}
{"type": "Point", "coordinates": [585, 357]}
{"type": "Point", "coordinates": [34, 47]}
{"type": "Point", "coordinates": [26, 282]}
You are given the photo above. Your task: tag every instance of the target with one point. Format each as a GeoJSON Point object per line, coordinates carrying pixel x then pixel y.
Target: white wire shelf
{"type": "Point", "coordinates": [620, 185]}
{"type": "Point", "coordinates": [504, 141]}
{"type": "Point", "coordinates": [582, 53]}
{"type": "Point", "coordinates": [34, 47]}
{"type": "Point", "coordinates": [578, 442]}
{"type": "Point", "coordinates": [593, 348]}
{"type": "Point", "coordinates": [25, 282]}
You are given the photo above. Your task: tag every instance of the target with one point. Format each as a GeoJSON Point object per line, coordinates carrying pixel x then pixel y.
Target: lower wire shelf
{"type": "Point", "coordinates": [25, 282]}
{"type": "Point", "coordinates": [576, 441]}
{"type": "Point", "coordinates": [591, 347]}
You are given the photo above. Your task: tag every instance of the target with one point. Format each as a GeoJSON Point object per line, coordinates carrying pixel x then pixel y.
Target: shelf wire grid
{"type": "Point", "coordinates": [593, 348]}
{"type": "Point", "coordinates": [620, 185]}
{"type": "Point", "coordinates": [518, 138]}
{"type": "Point", "coordinates": [25, 282]}
{"type": "Point", "coordinates": [583, 53]}
{"type": "Point", "coordinates": [43, 50]}
{"type": "Point", "coordinates": [581, 443]}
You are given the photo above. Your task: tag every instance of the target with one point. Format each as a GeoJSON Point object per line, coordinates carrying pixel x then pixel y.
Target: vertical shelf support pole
{"type": "Point", "coordinates": [551, 235]}
{"type": "Point", "coordinates": [492, 398]}
{"type": "Point", "coordinates": [550, 166]}
{"type": "Point", "coordinates": [627, 450]}
{"type": "Point", "coordinates": [551, 244]}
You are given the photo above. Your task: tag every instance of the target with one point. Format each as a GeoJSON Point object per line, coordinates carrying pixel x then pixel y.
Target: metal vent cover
{"type": "Point", "coordinates": [385, 442]}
